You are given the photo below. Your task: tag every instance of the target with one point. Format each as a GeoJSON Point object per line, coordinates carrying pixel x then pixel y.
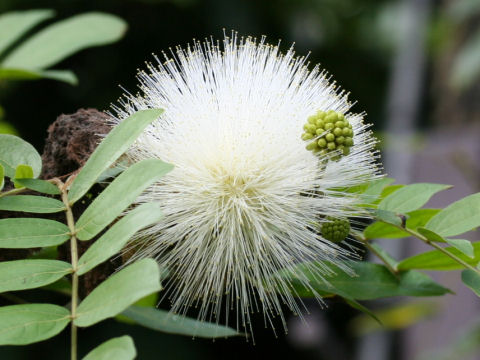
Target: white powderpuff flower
{"type": "Point", "coordinates": [245, 198]}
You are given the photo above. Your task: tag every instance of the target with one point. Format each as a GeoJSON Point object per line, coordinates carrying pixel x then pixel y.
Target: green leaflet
{"type": "Point", "coordinates": [120, 348]}
{"type": "Point", "coordinates": [31, 203]}
{"type": "Point", "coordinates": [38, 185]}
{"type": "Point", "coordinates": [471, 279]}
{"type": "Point", "coordinates": [64, 38]}
{"type": "Point", "coordinates": [110, 149]}
{"type": "Point", "coordinates": [436, 260]}
{"type": "Point", "coordinates": [29, 274]}
{"type": "Point", "coordinates": [22, 172]}
{"type": "Point", "coordinates": [388, 217]}
{"type": "Point", "coordinates": [28, 74]}
{"type": "Point", "coordinates": [22, 233]}
{"type": "Point", "coordinates": [2, 176]}
{"type": "Point", "coordinates": [118, 292]}
{"type": "Point", "coordinates": [430, 235]}
{"type": "Point", "coordinates": [457, 218]}
{"type": "Point", "coordinates": [410, 197]}
{"type": "Point", "coordinates": [465, 246]}
{"type": "Point", "coordinates": [371, 281]}
{"type": "Point", "coordinates": [26, 324]}
{"type": "Point", "coordinates": [108, 205]}
{"type": "Point", "coordinates": [117, 236]}
{"type": "Point", "coordinates": [16, 23]}
{"type": "Point", "coordinates": [415, 219]}
{"type": "Point", "coordinates": [15, 151]}
{"type": "Point", "coordinates": [167, 322]}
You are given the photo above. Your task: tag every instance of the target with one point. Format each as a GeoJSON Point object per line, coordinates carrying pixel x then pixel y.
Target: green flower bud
{"type": "Point", "coordinates": [335, 230]}
{"type": "Point", "coordinates": [330, 137]}
{"type": "Point", "coordinates": [311, 146]}
{"type": "Point", "coordinates": [333, 133]}
{"type": "Point", "coordinates": [322, 143]}
{"type": "Point", "coordinates": [310, 128]}
{"type": "Point", "coordinates": [307, 136]}
{"type": "Point", "coordinates": [331, 118]}
{"type": "Point", "coordinates": [337, 131]}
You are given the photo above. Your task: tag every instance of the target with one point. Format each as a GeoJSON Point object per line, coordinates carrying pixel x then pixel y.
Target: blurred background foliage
{"type": "Point", "coordinates": [357, 41]}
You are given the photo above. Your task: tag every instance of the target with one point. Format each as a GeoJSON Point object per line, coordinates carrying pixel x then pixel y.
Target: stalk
{"type": "Point", "coordinates": [365, 242]}
{"type": "Point", "coordinates": [74, 262]}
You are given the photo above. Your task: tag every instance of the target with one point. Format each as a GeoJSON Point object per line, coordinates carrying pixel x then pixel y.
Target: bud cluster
{"type": "Point", "coordinates": [328, 132]}
{"type": "Point", "coordinates": [335, 230]}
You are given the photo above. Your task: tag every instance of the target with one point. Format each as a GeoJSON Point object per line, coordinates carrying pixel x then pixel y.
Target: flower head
{"type": "Point", "coordinates": [245, 199]}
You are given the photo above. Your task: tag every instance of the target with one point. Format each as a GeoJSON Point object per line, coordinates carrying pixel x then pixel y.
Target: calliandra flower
{"type": "Point", "coordinates": [246, 198]}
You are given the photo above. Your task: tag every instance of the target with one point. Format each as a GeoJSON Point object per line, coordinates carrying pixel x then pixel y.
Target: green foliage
{"type": "Point", "coordinates": [30, 274]}
{"type": "Point", "coordinates": [410, 197]}
{"type": "Point", "coordinates": [430, 235]}
{"type": "Point", "coordinates": [457, 218]}
{"type": "Point", "coordinates": [18, 233]}
{"type": "Point", "coordinates": [120, 348]}
{"type": "Point", "coordinates": [26, 324]}
{"type": "Point", "coordinates": [111, 148]}
{"type": "Point", "coordinates": [23, 74]}
{"type": "Point", "coordinates": [465, 246]}
{"type": "Point", "coordinates": [22, 172]}
{"type": "Point", "coordinates": [64, 38]}
{"type": "Point", "coordinates": [370, 281]}
{"type": "Point", "coordinates": [31, 203]}
{"type": "Point", "coordinates": [397, 209]}
{"type": "Point", "coordinates": [388, 217]}
{"type": "Point", "coordinates": [117, 236]}
{"type": "Point", "coordinates": [167, 322]}
{"type": "Point", "coordinates": [15, 151]}
{"type": "Point", "coordinates": [415, 219]}
{"type": "Point", "coordinates": [386, 258]}
{"type": "Point", "coordinates": [471, 279]}
{"type": "Point", "coordinates": [38, 185]}
{"type": "Point", "coordinates": [15, 24]}
{"type": "Point", "coordinates": [2, 177]}
{"type": "Point", "coordinates": [118, 292]}
{"type": "Point", "coordinates": [108, 205]}
{"type": "Point", "coordinates": [436, 260]}
{"type": "Point", "coordinates": [30, 59]}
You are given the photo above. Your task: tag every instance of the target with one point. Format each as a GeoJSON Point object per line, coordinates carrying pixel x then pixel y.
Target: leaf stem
{"type": "Point", "coordinates": [74, 261]}
{"type": "Point", "coordinates": [55, 181]}
{"type": "Point", "coordinates": [441, 249]}
{"type": "Point", "coordinates": [435, 245]}
{"type": "Point", "coordinates": [365, 242]}
{"type": "Point", "coordinates": [13, 192]}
